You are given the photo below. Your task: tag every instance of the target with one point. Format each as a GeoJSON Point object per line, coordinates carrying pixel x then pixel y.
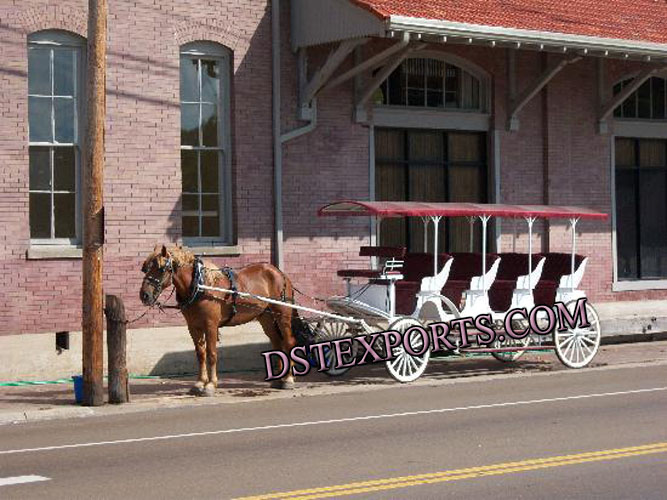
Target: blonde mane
{"type": "Point", "coordinates": [181, 256]}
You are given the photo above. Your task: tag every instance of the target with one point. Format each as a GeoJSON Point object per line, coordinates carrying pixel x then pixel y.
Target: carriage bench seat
{"type": "Point", "coordinates": [465, 267]}
{"type": "Point", "coordinates": [556, 266]}
{"type": "Point", "coordinates": [512, 266]}
{"type": "Point", "coordinates": [416, 266]}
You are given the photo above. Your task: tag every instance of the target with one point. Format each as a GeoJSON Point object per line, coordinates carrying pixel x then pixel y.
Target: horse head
{"type": "Point", "coordinates": [158, 269]}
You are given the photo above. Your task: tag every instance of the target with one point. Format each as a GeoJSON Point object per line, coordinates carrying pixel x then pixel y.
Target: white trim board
{"type": "Point", "coordinates": [409, 117]}
{"type": "Point", "coordinates": [480, 31]}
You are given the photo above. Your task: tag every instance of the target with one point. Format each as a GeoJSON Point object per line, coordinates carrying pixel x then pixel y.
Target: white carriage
{"type": "Point", "coordinates": [400, 293]}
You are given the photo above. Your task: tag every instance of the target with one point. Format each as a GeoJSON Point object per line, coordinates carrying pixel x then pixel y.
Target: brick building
{"type": "Point", "coordinates": [526, 101]}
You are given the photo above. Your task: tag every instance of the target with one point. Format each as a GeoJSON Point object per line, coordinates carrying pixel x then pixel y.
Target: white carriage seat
{"type": "Point", "coordinates": [572, 281]}
{"type": "Point", "coordinates": [529, 281]}
{"type": "Point", "coordinates": [484, 282]}
{"type": "Point", "coordinates": [434, 284]}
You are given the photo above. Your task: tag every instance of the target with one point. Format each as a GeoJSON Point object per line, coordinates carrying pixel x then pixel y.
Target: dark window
{"type": "Point", "coordinates": [648, 102]}
{"type": "Point", "coordinates": [641, 208]}
{"type": "Point", "coordinates": [430, 83]}
{"type": "Point", "coordinates": [429, 165]}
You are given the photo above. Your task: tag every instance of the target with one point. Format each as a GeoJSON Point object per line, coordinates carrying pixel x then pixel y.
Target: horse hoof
{"type": "Point", "coordinates": [282, 384]}
{"type": "Point", "coordinates": [196, 391]}
{"type": "Point", "coordinates": [209, 391]}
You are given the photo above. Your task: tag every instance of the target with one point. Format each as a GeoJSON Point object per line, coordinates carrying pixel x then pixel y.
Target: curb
{"type": "Point", "coordinates": [14, 417]}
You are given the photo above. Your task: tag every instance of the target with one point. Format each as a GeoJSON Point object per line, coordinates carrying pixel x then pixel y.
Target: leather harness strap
{"type": "Point", "coordinates": [229, 273]}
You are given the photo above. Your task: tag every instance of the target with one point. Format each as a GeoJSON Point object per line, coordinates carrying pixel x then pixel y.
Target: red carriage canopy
{"type": "Point", "coordinates": [431, 209]}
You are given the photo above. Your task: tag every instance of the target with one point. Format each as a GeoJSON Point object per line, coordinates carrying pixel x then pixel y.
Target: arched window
{"type": "Point", "coordinates": [648, 102]}
{"type": "Point", "coordinates": [55, 89]}
{"type": "Point", "coordinates": [205, 143]}
{"type": "Point", "coordinates": [431, 83]}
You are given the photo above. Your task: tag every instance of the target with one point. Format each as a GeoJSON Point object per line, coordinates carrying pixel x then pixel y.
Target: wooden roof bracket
{"type": "Point", "coordinates": [518, 102]}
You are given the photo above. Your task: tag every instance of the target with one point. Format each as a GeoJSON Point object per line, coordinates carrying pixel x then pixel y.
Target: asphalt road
{"type": "Point", "coordinates": [573, 434]}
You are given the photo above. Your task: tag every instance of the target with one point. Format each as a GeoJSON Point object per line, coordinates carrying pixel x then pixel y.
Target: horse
{"type": "Point", "coordinates": [206, 311]}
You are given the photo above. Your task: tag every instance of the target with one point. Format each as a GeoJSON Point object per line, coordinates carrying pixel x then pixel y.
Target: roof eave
{"type": "Point", "coordinates": [524, 36]}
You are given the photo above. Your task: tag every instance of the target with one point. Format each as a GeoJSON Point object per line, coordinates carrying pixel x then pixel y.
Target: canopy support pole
{"type": "Point", "coordinates": [436, 223]}
{"type": "Point", "coordinates": [485, 221]}
{"type": "Point", "coordinates": [530, 221]}
{"type": "Point", "coordinates": [573, 227]}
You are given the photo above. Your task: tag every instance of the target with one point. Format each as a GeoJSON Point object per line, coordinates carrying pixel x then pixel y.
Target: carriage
{"type": "Point", "coordinates": [406, 289]}
{"type": "Point", "coordinates": [402, 290]}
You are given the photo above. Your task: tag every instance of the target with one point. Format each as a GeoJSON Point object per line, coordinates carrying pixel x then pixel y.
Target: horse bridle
{"type": "Point", "coordinates": [158, 283]}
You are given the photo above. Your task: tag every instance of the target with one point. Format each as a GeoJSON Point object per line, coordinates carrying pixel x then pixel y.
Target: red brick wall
{"type": "Point", "coordinates": [142, 178]}
{"type": "Point", "coordinates": [142, 182]}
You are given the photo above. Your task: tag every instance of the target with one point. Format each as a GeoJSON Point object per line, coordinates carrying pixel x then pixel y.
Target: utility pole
{"type": "Point", "coordinates": [93, 208]}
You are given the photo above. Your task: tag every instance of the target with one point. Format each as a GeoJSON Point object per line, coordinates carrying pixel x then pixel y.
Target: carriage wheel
{"type": "Point", "coordinates": [327, 330]}
{"type": "Point", "coordinates": [405, 367]}
{"type": "Point", "coordinates": [576, 347]}
{"type": "Point", "coordinates": [509, 356]}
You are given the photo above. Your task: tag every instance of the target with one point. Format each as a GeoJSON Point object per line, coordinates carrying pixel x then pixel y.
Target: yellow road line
{"type": "Point", "coordinates": [466, 473]}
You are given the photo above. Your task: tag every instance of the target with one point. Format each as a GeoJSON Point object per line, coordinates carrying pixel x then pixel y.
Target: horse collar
{"type": "Point", "coordinates": [197, 281]}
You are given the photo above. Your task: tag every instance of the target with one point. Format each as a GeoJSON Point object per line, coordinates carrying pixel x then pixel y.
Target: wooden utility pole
{"type": "Point", "coordinates": [93, 207]}
{"type": "Point", "coordinates": [119, 390]}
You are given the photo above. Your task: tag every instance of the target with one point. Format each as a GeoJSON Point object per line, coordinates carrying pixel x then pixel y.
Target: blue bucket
{"type": "Point", "coordinates": [78, 388]}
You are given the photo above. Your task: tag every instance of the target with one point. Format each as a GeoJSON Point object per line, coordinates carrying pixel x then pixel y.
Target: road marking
{"type": "Point", "coordinates": [7, 481]}
{"type": "Point", "coordinates": [331, 421]}
{"type": "Point", "coordinates": [458, 474]}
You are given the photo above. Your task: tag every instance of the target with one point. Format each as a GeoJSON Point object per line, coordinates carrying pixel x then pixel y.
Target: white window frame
{"type": "Point", "coordinates": [404, 116]}
{"type": "Point", "coordinates": [217, 52]}
{"type": "Point", "coordinates": [55, 39]}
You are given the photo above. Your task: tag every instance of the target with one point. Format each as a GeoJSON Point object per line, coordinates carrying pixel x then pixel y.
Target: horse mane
{"type": "Point", "coordinates": [181, 256]}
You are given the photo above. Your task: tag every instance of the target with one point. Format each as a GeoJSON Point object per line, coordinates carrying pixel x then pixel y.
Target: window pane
{"type": "Point", "coordinates": [630, 106]}
{"type": "Point", "coordinates": [470, 92]}
{"type": "Point", "coordinates": [209, 171]}
{"type": "Point", "coordinates": [190, 203]}
{"type": "Point", "coordinates": [64, 109]}
{"type": "Point", "coordinates": [39, 72]}
{"type": "Point", "coordinates": [389, 145]}
{"type": "Point", "coordinates": [40, 168]}
{"type": "Point", "coordinates": [452, 86]}
{"type": "Point", "coordinates": [64, 210]}
{"type": "Point", "coordinates": [39, 119]}
{"type": "Point", "coordinates": [426, 146]}
{"type": "Point", "coordinates": [210, 81]}
{"type": "Point", "coordinates": [189, 177]}
{"type": "Point", "coordinates": [190, 124]}
{"type": "Point", "coordinates": [397, 87]}
{"type": "Point", "coordinates": [626, 224]}
{"type": "Point", "coordinates": [210, 203]}
{"type": "Point", "coordinates": [64, 168]}
{"type": "Point", "coordinates": [189, 82]}
{"type": "Point", "coordinates": [63, 69]}
{"type": "Point", "coordinates": [658, 98]}
{"type": "Point", "coordinates": [465, 147]}
{"type": "Point", "coordinates": [209, 117]}
{"type": "Point", "coordinates": [191, 226]}
{"type": "Point", "coordinates": [644, 99]}
{"type": "Point", "coordinates": [652, 153]}
{"type": "Point", "coordinates": [40, 215]}
{"type": "Point", "coordinates": [434, 99]}
{"type": "Point", "coordinates": [416, 97]}
{"type": "Point", "coordinates": [210, 226]}
{"type": "Point", "coordinates": [625, 153]}
{"type": "Point", "coordinates": [653, 223]}
{"type": "Point", "coordinates": [465, 185]}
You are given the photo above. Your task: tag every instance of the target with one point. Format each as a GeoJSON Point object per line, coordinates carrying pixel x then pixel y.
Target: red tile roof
{"type": "Point", "coordinates": [637, 20]}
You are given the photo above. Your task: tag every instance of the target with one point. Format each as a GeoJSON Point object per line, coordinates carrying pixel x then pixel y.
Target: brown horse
{"type": "Point", "coordinates": [206, 311]}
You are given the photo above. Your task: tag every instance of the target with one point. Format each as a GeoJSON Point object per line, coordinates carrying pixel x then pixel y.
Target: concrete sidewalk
{"type": "Point", "coordinates": [41, 402]}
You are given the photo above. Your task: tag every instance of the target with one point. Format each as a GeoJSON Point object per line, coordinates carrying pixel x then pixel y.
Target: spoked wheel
{"type": "Point", "coordinates": [576, 347]}
{"type": "Point", "coordinates": [327, 330]}
{"type": "Point", "coordinates": [510, 356]}
{"type": "Point", "coordinates": [406, 367]}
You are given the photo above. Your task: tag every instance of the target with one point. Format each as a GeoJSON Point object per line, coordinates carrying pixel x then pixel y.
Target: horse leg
{"type": "Point", "coordinates": [200, 348]}
{"type": "Point", "coordinates": [212, 360]}
{"type": "Point", "coordinates": [284, 322]}
{"type": "Point", "coordinates": [271, 330]}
